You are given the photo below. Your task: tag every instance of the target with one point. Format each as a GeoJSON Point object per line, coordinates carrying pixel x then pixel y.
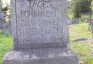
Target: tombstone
{"type": "Point", "coordinates": [4, 26]}
{"type": "Point", "coordinates": [69, 21]}
{"type": "Point", "coordinates": [6, 30]}
{"type": "Point", "coordinates": [1, 18]}
{"type": "Point", "coordinates": [75, 20]}
{"type": "Point", "coordinates": [87, 20]}
{"type": "Point", "coordinates": [40, 33]}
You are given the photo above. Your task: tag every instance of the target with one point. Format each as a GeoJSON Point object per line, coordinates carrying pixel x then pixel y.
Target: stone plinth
{"type": "Point", "coordinates": [41, 56]}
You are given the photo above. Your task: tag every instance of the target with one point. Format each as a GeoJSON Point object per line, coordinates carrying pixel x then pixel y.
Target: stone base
{"type": "Point", "coordinates": [41, 56]}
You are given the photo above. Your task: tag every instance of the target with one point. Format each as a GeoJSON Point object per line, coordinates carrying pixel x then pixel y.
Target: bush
{"type": "Point", "coordinates": [77, 9]}
{"type": "Point", "coordinates": [82, 6]}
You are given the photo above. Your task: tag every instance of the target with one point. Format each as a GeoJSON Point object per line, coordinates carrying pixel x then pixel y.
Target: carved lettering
{"type": "Point", "coordinates": [39, 21]}
{"type": "Point", "coordinates": [31, 14]}
{"type": "Point", "coordinates": [48, 40]}
{"type": "Point", "coordinates": [39, 3]}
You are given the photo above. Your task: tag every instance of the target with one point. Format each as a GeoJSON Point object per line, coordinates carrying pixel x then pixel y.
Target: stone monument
{"type": "Point", "coordinates": [40, 33]}
{"type": "Point", "coordinates": [4, 26]}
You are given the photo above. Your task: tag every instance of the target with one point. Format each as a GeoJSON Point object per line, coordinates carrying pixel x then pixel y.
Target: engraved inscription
{"type": "Point", "coordinates": [38, 39]}
{"type": "Point", "coordinates": [39, 3]}
{"type": "Point", "coordinates": [31, 13]}
{"type": "Point", "coordinates": [39, 21]}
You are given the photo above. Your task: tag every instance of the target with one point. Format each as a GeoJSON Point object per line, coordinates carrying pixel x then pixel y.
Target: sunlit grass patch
{"type": "Point", "coordinates": [5, 44]}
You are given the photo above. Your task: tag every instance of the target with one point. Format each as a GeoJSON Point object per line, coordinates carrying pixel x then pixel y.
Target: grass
{"type": "Point", "coordinates": [5, 44]}
{"type": "Point", "coordinates": [77, 31]}
{"type": "Point", "coordinates": [81, 47]}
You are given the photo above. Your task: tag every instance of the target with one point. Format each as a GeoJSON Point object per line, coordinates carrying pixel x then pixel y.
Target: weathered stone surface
{"type": "Point", "coordinates": [40, 33]}
{"type": "Point", "coordinates": [41, 56]}
{"type": "Point", "coordinates": [39, 23]}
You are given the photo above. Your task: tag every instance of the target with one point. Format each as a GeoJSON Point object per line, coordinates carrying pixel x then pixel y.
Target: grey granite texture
{"type": "Point", "coordinates": [41, 56]}
{"type": "Point", "coordinates": [39, 23]}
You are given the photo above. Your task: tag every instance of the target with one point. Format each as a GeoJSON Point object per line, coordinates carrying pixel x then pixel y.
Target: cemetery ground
{"type": "Point", "coordinates": [80, 42]}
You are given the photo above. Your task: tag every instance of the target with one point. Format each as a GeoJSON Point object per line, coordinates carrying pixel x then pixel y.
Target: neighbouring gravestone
{"type": "Point", "coordinates": [40, 33]}
{"type": "Point", "coordinates": [4, 26]}
{"type": "Point", "coordinates": [1, 19]}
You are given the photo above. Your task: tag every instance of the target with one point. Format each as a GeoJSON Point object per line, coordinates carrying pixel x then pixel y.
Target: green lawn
{"type": "Point", "coordinates": [5, 44]}
{"type": "Point", "coordinates": [77, 31]}
{"type": "Point", "coordinates": [81, 47]}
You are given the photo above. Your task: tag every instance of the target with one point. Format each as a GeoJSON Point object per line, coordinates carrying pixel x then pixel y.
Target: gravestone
{"type": "Point", "coordinates": [4, 26]}
{"type": "Point", "coordinates": [1, 19]}
{"type": "Point", "coordinates": [40, 33]}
